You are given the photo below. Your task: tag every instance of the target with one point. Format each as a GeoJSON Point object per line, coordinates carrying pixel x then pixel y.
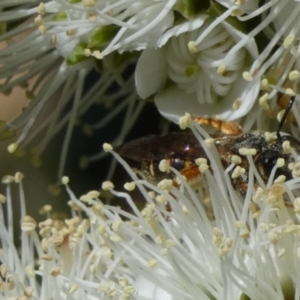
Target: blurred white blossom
{"type": "Point", "coordinates": [206, 81]}
{"type": "Point", "coordinates": [212, 244]}
{"type": "Point", "coordinates": [207, 58]}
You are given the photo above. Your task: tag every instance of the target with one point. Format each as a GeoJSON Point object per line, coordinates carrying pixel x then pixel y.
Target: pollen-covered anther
{"type": "Point", "coordinates": [129, 186]}
{"type": "Point", "coordinates": [39, 20]}
{"type": "Point", "coordinates": [192, 47]}
{"type": "Point", "coordinates": [294, 75]}
{"type": "Point", "coordinates": [152, 263]}
{"type": "Point", "coordinates": [295, 168]}
{"type": "Point", "coordinates": [217, 236]}
{"type": "Point", "coordinates": [165, 185]}
{"type": "Point", "coordinates": [200, 161]}
{"type": "Point", "coordinates": [97, 54]}
{"type": "Point", "coordinates": [65, 180]}
{"type": "Point", "coordinates": [238, 171]}
{"type": "Point", "coordinates": [273, 237]}
{"type": "Point", "coordinates": [221, 69]}
{"type": "Point", "coordinates": [41, 9]}
{"type": "Point", "coordinates": [28, 292]}
{"type": "Point", "coordinates": [263, 102]}
{"type": "Point", "coordinates": [288, 41]}
{"type": "Point", "coordinates": [292, 228]}
{"type": "Point", "coordinates": [289, 92]}
{"type": "Point", "coordinates": [264, 85]}
{"type": "Point", "coordinates": [280, 162]}
{"type": "Point", "coordinates": [247, 151]}
{"type": "Point", "coordinates": [280, 115]}
{"type": "Point", "coordinates": [280, 179]}
{"type": "Point", "coordinates": [107, 185]}
{"type": "Point", "coordinates": [185, 121]}
{"type": "Point", "coordinates": [185, 210]}
{"type": "Point", "coordinates": [12, 147]}
{"type": "Point", "coordinates": [244, 233]}
{"type": "Point", "coordinates": [129, 290]}
{"type": "Point", "coordinates": [42, 29]}
{"type": "Point", "coordinates": [28, 224]}
{"type": "Point", "coordinates": [235, 159]}
{"type": "Point", "coordinates": [164, 165]}
{"type": "Point", "coordinates": [203, 168]}
{"type": "Point", "coordinates": [89, 3]}
{"type": "Point", "coordinates": [286, 146]}
{"type": "Point", "coordinates": [116, 225]}
{"type": "Point", "coordinates": [237, 104]}
{"type": "Point", "coordinates": [7, 179]}
{"type": "Point", "coordinates": [19, 177]}
{"type": "Point", "coordinates": [55, 271]}
{"type": "Point", "coordinates": [161, 199]}
{"type": "Point", "coordinates": [87, 52]}
{"type": "Point", "coordinates": [270, 136]}
{"type": "Point", "coordinates": [93, 194]}
{"type": "Point", "coordinates": [10, 283]}
{"type": "Point", "coordinates": [74, 287]}
{"type": "Point", "coordinates": [3, 270]}
{"type": "Point", "coordinates": [107, 147]}
{"type": "Point", "coordinates": [281, 252]}
{"type": "Point", "coordinates": [209, 142]}
{"type": "Point", "coordinates": [47, 257]}
{"type": "Point", "coordinates": [2, 199]}
{"type": "Point", "coordinates": [237, 12]}
{"type": "Point", "coordinates": [247, 76]}
{"type": "Point", "coordinates": [71, 32]}
{"type": "Point", "coordinates": [297, 205]}
{"type": "Point", "coordinates": [275, 193]}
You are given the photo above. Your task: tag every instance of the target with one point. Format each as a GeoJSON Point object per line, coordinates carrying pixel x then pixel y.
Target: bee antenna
{"type": "Point", "coordinates": [287, 110]}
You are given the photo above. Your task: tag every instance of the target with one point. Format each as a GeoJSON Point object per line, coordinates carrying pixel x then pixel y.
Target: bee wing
{"type": "Point", "coordinates": [157, 147]}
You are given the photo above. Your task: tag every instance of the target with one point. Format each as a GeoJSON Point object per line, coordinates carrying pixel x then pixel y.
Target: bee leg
{"type": "Point", "coordinates": [225, 127]}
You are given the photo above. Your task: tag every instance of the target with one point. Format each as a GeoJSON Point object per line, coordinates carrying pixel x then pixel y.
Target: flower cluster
{"type": "Point", "coordinates": [210, 243]}
{"type": "Point", "coordinates": [208, 58]}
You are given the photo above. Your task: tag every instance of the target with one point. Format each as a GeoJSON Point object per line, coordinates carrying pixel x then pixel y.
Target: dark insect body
{"type": "Point", "coordinates": [182, 149]}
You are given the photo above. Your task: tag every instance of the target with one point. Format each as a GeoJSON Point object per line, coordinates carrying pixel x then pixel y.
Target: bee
{"type": "Point", "coordinates": [181, 149]}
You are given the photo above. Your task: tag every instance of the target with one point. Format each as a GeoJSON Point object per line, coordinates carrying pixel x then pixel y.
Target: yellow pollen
{"type": "Point", "coordinates": [221, 69]}
{"type": "Point", "coordinates": [263, 102]}
{"type": "Point", "coordinates": [288, 41]}
{"type": "Point", "coordinates": [236, 104]}
{"type": "Point", "coordinates": [107, 147]}
{"type": "Point", "coordinates": [185, 121]}
{"type": "Point", "coordinates": [192, 47]}
{"type": "Point", "coordinates": [247, 76]}
{"type": "Point", "coordinates": [293, 75]}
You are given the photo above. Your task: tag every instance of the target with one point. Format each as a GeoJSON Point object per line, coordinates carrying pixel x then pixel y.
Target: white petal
{"type": "Point", "coordinates": [148, 290]}
{"type": "Point", "coordinates": [185, 27]}
{"type": "Point", "coordinates": [172, 103]}
{"type": "Point", "coordinates": [238, 36]}
{"type": "Point", "coordinates": [151, 72]}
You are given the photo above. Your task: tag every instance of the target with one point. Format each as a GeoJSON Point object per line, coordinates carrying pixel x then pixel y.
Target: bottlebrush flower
{"type": "Point", "coordinates": [212, 244]}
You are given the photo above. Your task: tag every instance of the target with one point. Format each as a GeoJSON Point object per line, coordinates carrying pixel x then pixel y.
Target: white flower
{"type": "Point", "coordinates": [194, 73]}
{"type": "Point", "coordinates": [53, 51]}
{"type": "Point", "coordinates": [277, 33]}
{"type": "Point", "coordinates": [213, 244]}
